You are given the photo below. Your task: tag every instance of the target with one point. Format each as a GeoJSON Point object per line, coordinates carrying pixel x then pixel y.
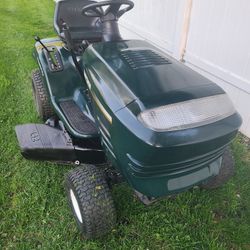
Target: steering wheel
{"type": "Point", "coordinates": [112, 12]}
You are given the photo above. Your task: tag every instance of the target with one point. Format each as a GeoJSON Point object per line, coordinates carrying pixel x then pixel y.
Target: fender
{"type": "Point", "coordinates": [63, 84]}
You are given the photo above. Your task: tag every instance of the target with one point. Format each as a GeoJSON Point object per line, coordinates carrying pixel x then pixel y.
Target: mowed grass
{"type": "Point", "coordinates": [33, 209]}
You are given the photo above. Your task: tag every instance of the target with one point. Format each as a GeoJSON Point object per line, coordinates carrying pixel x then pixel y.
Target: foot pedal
{"type": "Point", "coordinates": [42, 142]}
{"type": "Point", "coordinates": [80, 122]}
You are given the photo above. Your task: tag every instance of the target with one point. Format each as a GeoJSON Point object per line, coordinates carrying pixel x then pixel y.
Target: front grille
{"type": "Point", "coordinates": [141, 170]}
{"type": "Point", "coordinates": [143, 58]}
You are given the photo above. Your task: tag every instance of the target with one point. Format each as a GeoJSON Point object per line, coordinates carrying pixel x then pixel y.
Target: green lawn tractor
{"type": "Point", "coordinates": [122, 110]}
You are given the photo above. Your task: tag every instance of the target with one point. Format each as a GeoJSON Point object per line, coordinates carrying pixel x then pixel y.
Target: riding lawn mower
{"type": "Point", "coordinates": [123, 111]}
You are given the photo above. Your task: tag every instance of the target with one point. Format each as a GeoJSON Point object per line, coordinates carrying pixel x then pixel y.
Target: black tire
{"type": "Point", "coordinates": [42, 101]}
{"type": "Point", "coordinates": [226, 172]}
{"type": "Point", "coordinates": [96, 215]}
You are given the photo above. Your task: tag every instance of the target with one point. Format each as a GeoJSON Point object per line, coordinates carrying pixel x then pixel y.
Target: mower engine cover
{"type": "Point", "coordinates": [164, 126]}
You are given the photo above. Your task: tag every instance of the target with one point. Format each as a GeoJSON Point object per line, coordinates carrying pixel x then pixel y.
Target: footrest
{"type": "Point", "coordinates": [42, 142]}
{"type": "Point", "coordinates": [80, 122]}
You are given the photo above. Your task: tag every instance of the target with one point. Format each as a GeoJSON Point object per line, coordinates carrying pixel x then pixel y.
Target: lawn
{"type": "Point", "coordinates": [33, 208]}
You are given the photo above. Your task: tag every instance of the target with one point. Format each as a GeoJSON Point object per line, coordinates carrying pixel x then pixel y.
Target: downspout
{"type": "Point", "coordinates": [185, 28]}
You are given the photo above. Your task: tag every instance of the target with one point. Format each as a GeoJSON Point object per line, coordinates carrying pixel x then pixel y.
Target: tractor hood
{"type": "Point", "coordinates": [137, 72]}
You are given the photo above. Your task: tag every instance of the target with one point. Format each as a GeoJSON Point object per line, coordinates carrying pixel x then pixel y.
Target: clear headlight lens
{"type": "Point", "coordinates": [188, 114]}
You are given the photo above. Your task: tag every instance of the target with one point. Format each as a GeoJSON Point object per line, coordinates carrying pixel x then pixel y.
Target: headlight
{"type": "Point", "coordinates": [188, 114]}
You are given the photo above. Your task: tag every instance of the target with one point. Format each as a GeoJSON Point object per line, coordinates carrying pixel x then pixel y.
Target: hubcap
{"type": "Point", "coordinates": [75, 205]}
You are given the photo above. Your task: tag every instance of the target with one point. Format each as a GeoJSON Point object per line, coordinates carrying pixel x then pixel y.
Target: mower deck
{"type": "Point", "coordinates": [42, 142]}
{"type": "Point", "coordinates": [48, 143]}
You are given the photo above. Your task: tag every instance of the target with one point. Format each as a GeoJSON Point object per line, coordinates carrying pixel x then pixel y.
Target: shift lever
{"type": "Point", "coordinates": [51, 59]}
{"type": "Point", "coordinates": [37, 38]}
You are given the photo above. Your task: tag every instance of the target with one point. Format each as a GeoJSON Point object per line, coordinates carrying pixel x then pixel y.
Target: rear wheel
{"type": "Point", "coordinates": [226, 172]}
{"type": "Point", "coordinates": [43, 105]}
{"type": "Point", "coordinates": [90, 201]}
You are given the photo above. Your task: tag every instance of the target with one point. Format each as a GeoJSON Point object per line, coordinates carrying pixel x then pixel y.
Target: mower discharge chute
{"type": "Point", "coordinates": [123, 110]}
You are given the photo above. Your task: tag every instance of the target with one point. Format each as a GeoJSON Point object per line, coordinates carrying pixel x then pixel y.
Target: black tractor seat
{"type": "Point", "coordinates": [81, 27]}
{"type": "Point", "coordinates": [79, 34]}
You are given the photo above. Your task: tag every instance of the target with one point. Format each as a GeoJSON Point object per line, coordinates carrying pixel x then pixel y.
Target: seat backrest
{"type": "Point", "coordinates": [70, 12]}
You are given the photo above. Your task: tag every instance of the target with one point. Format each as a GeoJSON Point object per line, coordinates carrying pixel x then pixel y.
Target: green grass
{"type": "Point", "coordinates": [33, 208]}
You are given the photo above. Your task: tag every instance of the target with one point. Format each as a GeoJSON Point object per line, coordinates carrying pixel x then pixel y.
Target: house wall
{"type": "Point", "coordinates": [217, 45]}
{"type": "Point", "coordinates": [158, 21]}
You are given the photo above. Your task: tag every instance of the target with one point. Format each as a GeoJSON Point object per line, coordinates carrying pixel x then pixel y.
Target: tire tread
{"type": "Point", "coordinates": [44, 107]}
{"type": "Point", "coordinates": [94, 198]}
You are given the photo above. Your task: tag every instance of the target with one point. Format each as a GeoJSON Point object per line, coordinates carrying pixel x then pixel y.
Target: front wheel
{"type": "Point", "coordinates": [226, 172]}
{"type": "Point", "coordinates": [90, 201]}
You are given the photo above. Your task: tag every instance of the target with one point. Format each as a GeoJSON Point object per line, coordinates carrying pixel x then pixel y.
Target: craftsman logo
{"type": "Point", "coordinates": [35, 137]}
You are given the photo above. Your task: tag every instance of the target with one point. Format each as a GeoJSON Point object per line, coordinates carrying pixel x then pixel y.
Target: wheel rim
{"type": "Point", "coordinates": [75, 205]}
